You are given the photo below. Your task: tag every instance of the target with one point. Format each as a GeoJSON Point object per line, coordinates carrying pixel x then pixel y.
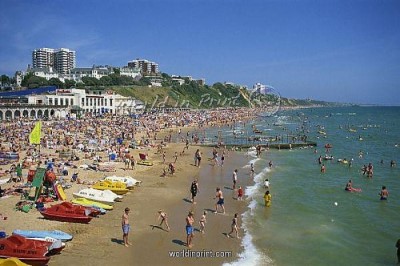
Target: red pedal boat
{"type": "Point", "coordinates": [29, 251]}
{"type": "Point", "coordinates": [67, 212]}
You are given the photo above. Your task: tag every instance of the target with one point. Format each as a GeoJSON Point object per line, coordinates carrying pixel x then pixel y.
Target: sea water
{"type": "Point", "coordinates": [312, 219]}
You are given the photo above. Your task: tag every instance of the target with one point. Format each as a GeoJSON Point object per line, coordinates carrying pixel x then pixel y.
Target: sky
{"type": "Point", "coordinates": [341, 51]}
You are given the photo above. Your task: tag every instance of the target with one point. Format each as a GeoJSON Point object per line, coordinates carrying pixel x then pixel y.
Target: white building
{"type": "Point", "coordinates": [62, 60]}
{"type": "Point", "coordinates": [146, 67]}
{"type": "Point", "coordinates": [130, 72]}
{"type": "Point", "coordinates": [260, 87]}
{"type": "Point", "coordinates": [45, 72]}
{"type": "Point", "coordinates": [76, 74]}
{"type": "Point", "coordinates": [95, 102]}
{"type": "Point", "coordinates": [181, 79]}
{"type": "Point", "coordinates": [98, 72]}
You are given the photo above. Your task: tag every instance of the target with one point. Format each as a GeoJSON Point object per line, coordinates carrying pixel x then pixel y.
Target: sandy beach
{"type": "Point", "coordinates": [100, 242]}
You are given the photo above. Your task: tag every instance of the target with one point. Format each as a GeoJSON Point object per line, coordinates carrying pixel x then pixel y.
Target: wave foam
{"type": "Point", "coordinates": [251, 255]}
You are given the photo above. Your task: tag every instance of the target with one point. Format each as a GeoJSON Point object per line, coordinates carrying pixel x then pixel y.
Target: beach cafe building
{"type": "Point", "coordinates": [94, 102]}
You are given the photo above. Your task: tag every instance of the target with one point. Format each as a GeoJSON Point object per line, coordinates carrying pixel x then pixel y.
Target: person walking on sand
{"type": "Point", "coordinates": [189, 229]}
{"type": "Point", "coordinates": [125, 227]}
{"type": "Point", "coordinates": [234, 178]}
{"type": "Point", "coordinates": [176, 157]}
{"type": "Point", "coordinates": [267, 198]}
{"type": "Point", "coordinates": [234, 227]}
{"type": "Point", "coordinates": [194, 189]}
{"type": "Point", "coordinates": [197, 158]}
{"type": "Point", "coordinates": [162, 215]}
{"type": "Point", "coordinates": [220, 201]}
{"type": "Point", "coordinates": [202, 222]}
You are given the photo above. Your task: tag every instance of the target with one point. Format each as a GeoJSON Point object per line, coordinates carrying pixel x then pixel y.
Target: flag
{"type": "Point", "coordinates": [34, 137]}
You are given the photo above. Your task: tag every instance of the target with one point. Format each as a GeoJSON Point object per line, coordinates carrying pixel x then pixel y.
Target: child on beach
{"type": "Point", "coordinates": [162, 215]}
{"type": "Point", "coordinates": [240, 193]}
{"type": "Point", "coordinates": [266, 183]}
{"type": "Point", "coordinates": [203, 222]}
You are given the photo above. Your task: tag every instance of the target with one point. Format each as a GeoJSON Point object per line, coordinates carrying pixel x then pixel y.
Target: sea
{"type": "Point", "coordinates": [312, 220]}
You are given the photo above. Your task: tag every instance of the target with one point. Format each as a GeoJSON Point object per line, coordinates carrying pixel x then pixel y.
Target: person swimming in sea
{"type": "Point", "coordinates": [384, 193]}
{"type": "Point", "coordinates": [349, 186]}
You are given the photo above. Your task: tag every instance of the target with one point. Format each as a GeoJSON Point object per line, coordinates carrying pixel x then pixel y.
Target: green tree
{"type": "Point", "coordinates": [125, 80]}
{"type": "Point", "coordinates": [69, 83]}
{"type": "Point", "coordinates": [32, 81]}
{"type": "Point", "coordinates": [24, 82]}
{"type": "Point", "coordinates": [56, 82]}
{"type": "Point", "coordinates": [5, 80]}
{"type": "Point", "coordinates": [145, 81]}
{"type": "Point", "coordinates": [105, 81]}
{"type": "Point", "coordinates": [117, 71]}
{"type": "Point", "coordinates": [90, 81]}
{"type": "Point", "coordinates": [80, 85]}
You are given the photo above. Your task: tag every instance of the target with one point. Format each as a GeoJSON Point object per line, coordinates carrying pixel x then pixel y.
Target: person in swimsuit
{"type": "Point", "coordinates": [234, 227]}
{"type": "Point", "coordinates": [125, 227]}
{"type": "Point", "coordinates": [189, 229]}
{"type": "Point", "coordinates": [234, 179]}
{"type": "Point", "coordinates": [267, 198]}
{"type": "Point", "coordinates": [202, 222]}
{"type": "Point", "coordinates": [266, 183]}
{"type": "Point", "coordinates": [162, 215]}
{"type": "Point", "coordinates": [240, 193]}
{"type": "Point", "coordinates": [198, 157]}
{"type": "Point", "coordinates": [220, 201]}
{"type": "Point", "coordinates": [194, 188]}
{"type": "Point", "coordinates": [384, 193]}
{"type": "Point", "coordinates": [252, 169]}
{"type": "Point", "coordinates": [349, 186]}
{"type": "Point", "coordinates": [323, 168]}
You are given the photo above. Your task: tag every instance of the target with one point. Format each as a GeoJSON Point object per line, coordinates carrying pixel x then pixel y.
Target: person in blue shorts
{"type": "Point", "coordinates": [189, 229]}
{"type": "Point", "coordinates": [220, 201]}
{"type": "Point", "coordinates": [125, 227]}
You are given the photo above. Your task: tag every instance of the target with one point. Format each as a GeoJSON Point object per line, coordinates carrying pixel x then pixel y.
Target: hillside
{"type": "Point", "coordinates": [199, 97]}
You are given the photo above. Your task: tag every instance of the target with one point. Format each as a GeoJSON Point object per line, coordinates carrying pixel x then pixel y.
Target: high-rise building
{"type": "Point", "coordinates": [43, 57]}
{"type": "Point", "coordinates": [62, 60]}
{"type": "Point", "coordinates": [146, 67]}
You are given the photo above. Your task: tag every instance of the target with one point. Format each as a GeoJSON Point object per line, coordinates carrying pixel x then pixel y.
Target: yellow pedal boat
{"type": "Point", "coordinates": [12, 262]}
{"type": "Point", "coordinates": [89, 203]}
{"type": "Point", "coordinates": [116, 187]}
